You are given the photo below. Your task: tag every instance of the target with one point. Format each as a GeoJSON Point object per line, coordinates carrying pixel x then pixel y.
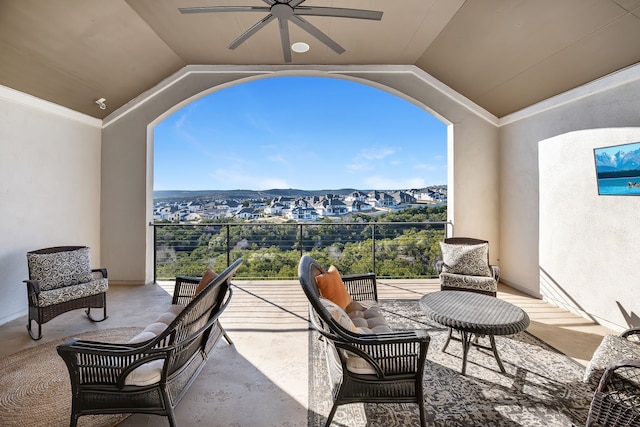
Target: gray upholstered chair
{"type": "Point", "coordinates": [615, 369]}
{"type": "Point", "coordinates": [60, 280]}
{"type": "Point", "coordinates": [465, 266]}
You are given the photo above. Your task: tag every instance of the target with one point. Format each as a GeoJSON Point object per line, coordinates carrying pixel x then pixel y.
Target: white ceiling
{"type": "Point", "coordinates": [503, 55]}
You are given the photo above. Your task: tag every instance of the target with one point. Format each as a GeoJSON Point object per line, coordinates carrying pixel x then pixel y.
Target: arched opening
{"type": "Point", "coordinates": [300, 132]}
{"type": "Point", "coordinates": [286, 136]}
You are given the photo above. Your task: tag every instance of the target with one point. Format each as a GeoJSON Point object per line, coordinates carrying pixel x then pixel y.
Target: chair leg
{"type": "Point", "coordinates": [171, 417]}
{"type": "Point", "coordinates": [104, 311]}
{"type": "Point", "coordinates": [420, 402]}
{"type": "Point", "coordinates": [39, 330]}
{"type": "Point", "coordinates": [446, 344]}
{"type": "Point", "coordinates": [224, 334]}
{"type": "Point", "coordinates": [423, 415]}
{"type": "Point", "coordinates": [331, 414]}
{"type": "Point", "coordinates": [93, 319]}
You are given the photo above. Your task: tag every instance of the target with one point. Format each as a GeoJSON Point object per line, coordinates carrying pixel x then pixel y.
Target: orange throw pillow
{"type": "Point", "coordinates": [332, 287]}
{"type": "Point", "coordinates": [207, 278]}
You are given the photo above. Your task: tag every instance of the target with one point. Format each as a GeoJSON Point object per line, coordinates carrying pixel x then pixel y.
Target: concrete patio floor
{"type": "Point", "coordinates": [262, 380]}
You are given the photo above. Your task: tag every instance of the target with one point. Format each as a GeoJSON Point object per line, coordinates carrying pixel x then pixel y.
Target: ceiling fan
{"type": "Point", "coordinates": [285, 11]}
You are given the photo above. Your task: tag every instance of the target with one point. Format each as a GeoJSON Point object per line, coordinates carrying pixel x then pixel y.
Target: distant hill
{"type": "Point", "coordinates": [243, 194]}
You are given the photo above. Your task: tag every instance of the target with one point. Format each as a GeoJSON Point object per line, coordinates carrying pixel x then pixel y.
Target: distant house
{"type": "Point", "coordinates": [403, 198]}
{"type": "Point", "coordinates": [331, 207]}
{"type": "Point", "coordinates": [302, 214]}
{"type": "Point", "coordinates": [192, 217]}
{"type": "Point", "coordinates": [284, 200]}
{"type": "Point", "coordinates": [247, 213]}
{"type": "Point", "coordinates": [356, 195]}
{"type": "Point", "coordinates": [358, 206]}
{"type": "Point", "coordinates": [380, 199]}
{"type": "Point", "coordinates": [275, 208]}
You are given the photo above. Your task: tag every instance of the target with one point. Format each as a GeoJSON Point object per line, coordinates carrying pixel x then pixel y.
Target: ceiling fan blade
{"type": "Point", "coordinates": [284, 38]}
{"type": "Point", "coordinates": [209, 9]}
{"type": "Point", "coordinates": [338, 12]}
{"type": "Point", "coordinates": [251, 31]}
{"type": "Point", "coordinates": [317, 34]}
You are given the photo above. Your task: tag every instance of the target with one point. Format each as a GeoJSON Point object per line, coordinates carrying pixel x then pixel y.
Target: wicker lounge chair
{"type": "Point", "coordinates": [385, 367]}
{"type": "Point", "coordinates": [152, 372]}
{"type": "Point", "coordinates": [61, 280]}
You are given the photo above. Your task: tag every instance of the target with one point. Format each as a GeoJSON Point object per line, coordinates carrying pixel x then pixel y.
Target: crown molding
{"type": "Point", "coordinates": [608, 82]}
{"type": "Point", "coordinates": [31, 101]}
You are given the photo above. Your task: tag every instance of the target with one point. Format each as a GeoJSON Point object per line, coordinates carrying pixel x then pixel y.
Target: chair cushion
{"type": "Point", "coordinates": [207, 278]}
{"type": "Point", "coordinates": [478, 283]}
{"type": "Point", "coordinates": [338, 314]}
{"type": "Point", "coordinates": [69, 293]}
{"type": "Point", "coordinates": [612, 348]}
{"type": "Point", "coordinates": [59, 269]}
{"type": "Point", "coordinates": [469, 260]}
{"type": "Point", "coordinates": [332, 287]}
{"type": "Point", "coordinates": [151, 373]}
{"type": "Point", "coordinates": [368, 319]}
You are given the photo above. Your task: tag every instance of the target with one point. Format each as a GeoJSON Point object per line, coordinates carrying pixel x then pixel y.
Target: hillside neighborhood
{"type": "Point", "coordinates": [311, 208]}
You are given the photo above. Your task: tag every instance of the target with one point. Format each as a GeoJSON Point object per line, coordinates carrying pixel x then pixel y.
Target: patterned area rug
{"type": "Point", "coordinates": [35, 389]}
{"type": "Point", "coordinates": [542, 387]}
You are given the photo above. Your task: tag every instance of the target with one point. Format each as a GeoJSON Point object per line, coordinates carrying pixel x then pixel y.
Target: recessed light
{"type": "Point", "coordinates": [300, 47]}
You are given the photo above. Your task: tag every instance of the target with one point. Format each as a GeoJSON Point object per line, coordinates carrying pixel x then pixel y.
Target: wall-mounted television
{"type": "Point", "coordinates": [618, 169]}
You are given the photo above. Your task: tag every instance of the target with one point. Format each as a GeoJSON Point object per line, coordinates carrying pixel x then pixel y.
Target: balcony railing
{"type": "Point", "coordinates": [272, 251]}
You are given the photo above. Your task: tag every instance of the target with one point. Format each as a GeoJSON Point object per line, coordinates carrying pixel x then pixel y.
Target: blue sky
{"type": "Point", "coordinates": [309, 133]}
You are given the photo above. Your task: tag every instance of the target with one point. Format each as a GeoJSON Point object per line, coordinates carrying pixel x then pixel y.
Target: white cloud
{"type": "Point", "coordinates": [280, 159]}
{"type": "Point", "coordinates": [426, 166]}
{"type": "Point", "coordinates": [364, 159]}
{"type": "Point", "coordinates": [383, 183]}
{"type": "Point", "coordinates": [376, 153]}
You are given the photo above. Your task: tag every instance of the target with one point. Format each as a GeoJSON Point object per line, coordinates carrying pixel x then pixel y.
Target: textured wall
{"type": "Point", "coordinates": [49, 190]}
{"type": "Point", "coordinates": [559, 239]}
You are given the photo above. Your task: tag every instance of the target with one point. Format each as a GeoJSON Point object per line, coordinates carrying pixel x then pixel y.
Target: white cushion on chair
{"type": "Point", "coordinates": [150, 373]}
{"type": "Point", "coordinates": [338, 314]}
{"type": "Point", "coordinates": [147, 374]}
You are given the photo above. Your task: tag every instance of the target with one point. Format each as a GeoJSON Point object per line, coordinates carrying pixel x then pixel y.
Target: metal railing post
{"type": "Point", "coordinates": [373, 247]}
{"type": "Point", "coordinates": [155, 254]}
{"type": "Point", "coordinates": [228, 227]}
{"type": "Point", "coordinates": [300, 239]}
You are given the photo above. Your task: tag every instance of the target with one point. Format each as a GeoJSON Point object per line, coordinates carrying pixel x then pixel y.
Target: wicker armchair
{"type": "Point", "coordinates": [616, 402]}
{"type": "Point", "coordinates": [61, 280]}
{"type": "Point", "coordinates": [395, 360]}
{"type": "Point", "coordinates": [152, 372]}
{"type": "Point", "coordinates": [615, 368]}
{"type": "Point", "coordinates": [472, 272]}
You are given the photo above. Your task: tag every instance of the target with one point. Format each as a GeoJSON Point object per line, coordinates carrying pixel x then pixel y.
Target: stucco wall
{"type": "Point", "coordinates": [559, 239]}
{"type": "Point", "coordinates": [49, 190]}
{"type": "Point", "coordinates": [127, 240]}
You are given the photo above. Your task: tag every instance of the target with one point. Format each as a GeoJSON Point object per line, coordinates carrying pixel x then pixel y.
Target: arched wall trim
{"type": "Point", "coordinates": [127, 152]}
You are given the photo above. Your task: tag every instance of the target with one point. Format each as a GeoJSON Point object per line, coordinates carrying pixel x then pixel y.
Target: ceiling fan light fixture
{"type": "Point", "coordinates": [300, 47]}
{"type": "Point", "coordinates": [290, 11]}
